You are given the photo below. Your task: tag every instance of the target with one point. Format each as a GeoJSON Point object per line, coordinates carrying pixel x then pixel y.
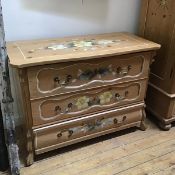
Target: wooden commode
{"type": "Point", "coordinates": [77, 88]}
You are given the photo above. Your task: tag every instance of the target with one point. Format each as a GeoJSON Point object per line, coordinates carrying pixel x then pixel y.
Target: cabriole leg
{"type": "Point", "coordinates": [143, 125]}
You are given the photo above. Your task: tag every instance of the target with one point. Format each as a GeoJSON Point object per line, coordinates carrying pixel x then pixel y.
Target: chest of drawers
{"type": "Point", "coordinates": [73, 89]}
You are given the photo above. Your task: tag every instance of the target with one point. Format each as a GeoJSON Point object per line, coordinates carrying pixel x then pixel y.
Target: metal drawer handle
{"type": "Point", "coordinates": [119, 121]}
{"type": "Point", "coordinates": [60, 134]}
{"type": "Point", "coordinates": [119, 97]}
{"type": "Point", "coordinates": [69, 107]}
{"type": "Point", "coordinates": [57, 109]}
{"type": "Point", "coordinates": [56, 80]}
{"type": "Point", "coordinates": [64, 82]}
{"type": "Point", "coordinates": [123, 71]}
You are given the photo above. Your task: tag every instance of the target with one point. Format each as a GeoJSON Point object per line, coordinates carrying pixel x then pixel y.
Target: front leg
{"type": "Point", "coordinates": [30, 152]}
{"type": "Point", "coordinates": [143, 125]}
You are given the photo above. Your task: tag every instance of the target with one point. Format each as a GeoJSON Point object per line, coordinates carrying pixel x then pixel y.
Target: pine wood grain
{"type": "Point", "coordinates": [32, 53]}
{"type": "Point", "coordinates": [164, 164]}
{"type": "Point", "coordinates": [169, 170]}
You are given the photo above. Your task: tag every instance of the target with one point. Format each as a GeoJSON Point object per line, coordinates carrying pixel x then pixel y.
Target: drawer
{"type": "Point", "coordinates": [160, 103]}
{"type": "Point", "coordinates": [75, 105]}
{"type": "Point", "coordinates": [62, 134]}
{"type": "Point", "coordinates": [75, 76]}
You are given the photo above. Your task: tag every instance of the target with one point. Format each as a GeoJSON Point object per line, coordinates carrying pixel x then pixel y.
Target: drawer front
{"type": "Point", "coordinates": [70, 77]}
{"type": "Point", "coordinates": [160, 103]}
{"type": "Point", "coordinates": [78, 104]}
{"type": "Point", "coordinates": [65, 133]}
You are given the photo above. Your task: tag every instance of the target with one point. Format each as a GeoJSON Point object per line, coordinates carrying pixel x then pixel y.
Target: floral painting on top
{"type": "Point", "coordinates": [83, 44]}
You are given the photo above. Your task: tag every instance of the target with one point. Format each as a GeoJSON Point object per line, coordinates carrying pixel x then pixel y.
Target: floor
{"type": "Point", "coordinates": [130, 152]}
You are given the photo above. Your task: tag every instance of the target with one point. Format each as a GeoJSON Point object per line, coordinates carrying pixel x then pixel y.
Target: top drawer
{"type": "Point", "coordinates": [74, 76]}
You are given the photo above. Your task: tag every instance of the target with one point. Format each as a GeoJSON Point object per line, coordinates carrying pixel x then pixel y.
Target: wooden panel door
{"type": "Point", "coordinates": [158, 24]}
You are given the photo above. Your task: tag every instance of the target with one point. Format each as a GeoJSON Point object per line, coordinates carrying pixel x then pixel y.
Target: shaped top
{"type": "Point", "coordinates": [39, 52]}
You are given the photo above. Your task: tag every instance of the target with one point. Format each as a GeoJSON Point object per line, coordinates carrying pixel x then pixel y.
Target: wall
{"type": "Point", "coordinates": [33, 19]}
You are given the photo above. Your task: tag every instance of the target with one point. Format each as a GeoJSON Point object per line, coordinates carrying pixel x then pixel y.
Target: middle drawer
{"type": "Point", "coordinates": [74, 105]}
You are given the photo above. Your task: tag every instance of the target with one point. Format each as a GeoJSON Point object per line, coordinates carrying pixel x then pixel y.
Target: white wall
{"type": "Point", "coordinates": [33, 19]}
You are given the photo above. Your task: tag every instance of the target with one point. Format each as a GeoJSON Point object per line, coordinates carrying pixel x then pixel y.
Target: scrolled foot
{"type": "Point", "coordinates": [29, 150]}
{"type": "Point", "coordinates": [165, 127]}
{"type": "Point", "coordinates": [30, 159]}
{"type": "Point", "coordinates": [143, 126]}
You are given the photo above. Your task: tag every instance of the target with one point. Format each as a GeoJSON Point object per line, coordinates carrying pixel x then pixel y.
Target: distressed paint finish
{"type": "Point", "coordinates": [7, 103]}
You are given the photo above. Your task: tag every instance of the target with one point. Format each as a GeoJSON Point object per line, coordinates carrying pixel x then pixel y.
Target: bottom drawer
{"type": "Point", "coordinates": [160, 103]}
{"type": "Point", "coordinates": [66, 133]}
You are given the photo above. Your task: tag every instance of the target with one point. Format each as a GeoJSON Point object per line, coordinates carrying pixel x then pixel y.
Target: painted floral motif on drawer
{"type": "Point", "coordinates": [90, 101]}
{"type": "Point", "coordinates": [101, 72]}
{"type": "Point", "coordinates": [81, 75]}
{"type": "Point", "coordinates": [82, 102]}
{"type": "Point", "coordinates": [86, 102]}
{"type": "Point", "coordinates": [66, 80]}
{"type": "Point", "coordinates": [93, 126]}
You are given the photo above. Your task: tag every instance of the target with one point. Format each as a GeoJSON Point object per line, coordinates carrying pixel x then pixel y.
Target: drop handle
{"type": "Point", "coordinates": [69, 108]}
{"type": "Point", "coordinates": [120, 120]}
{"type": "Point", "coordinates": [120, 97]}
{"type": "Point", "coordinates": [65, 111]}
{"type": "Point", "coordinates": [63, 82]}
{"type": "Point", "coordinates": [56, 80]}
{"type": "Point", "coordinates": [124, 71]}
{"type": "Point", "coordinates": [57, 109]}
{"type": "Point", "coordinates": [68, 132]}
